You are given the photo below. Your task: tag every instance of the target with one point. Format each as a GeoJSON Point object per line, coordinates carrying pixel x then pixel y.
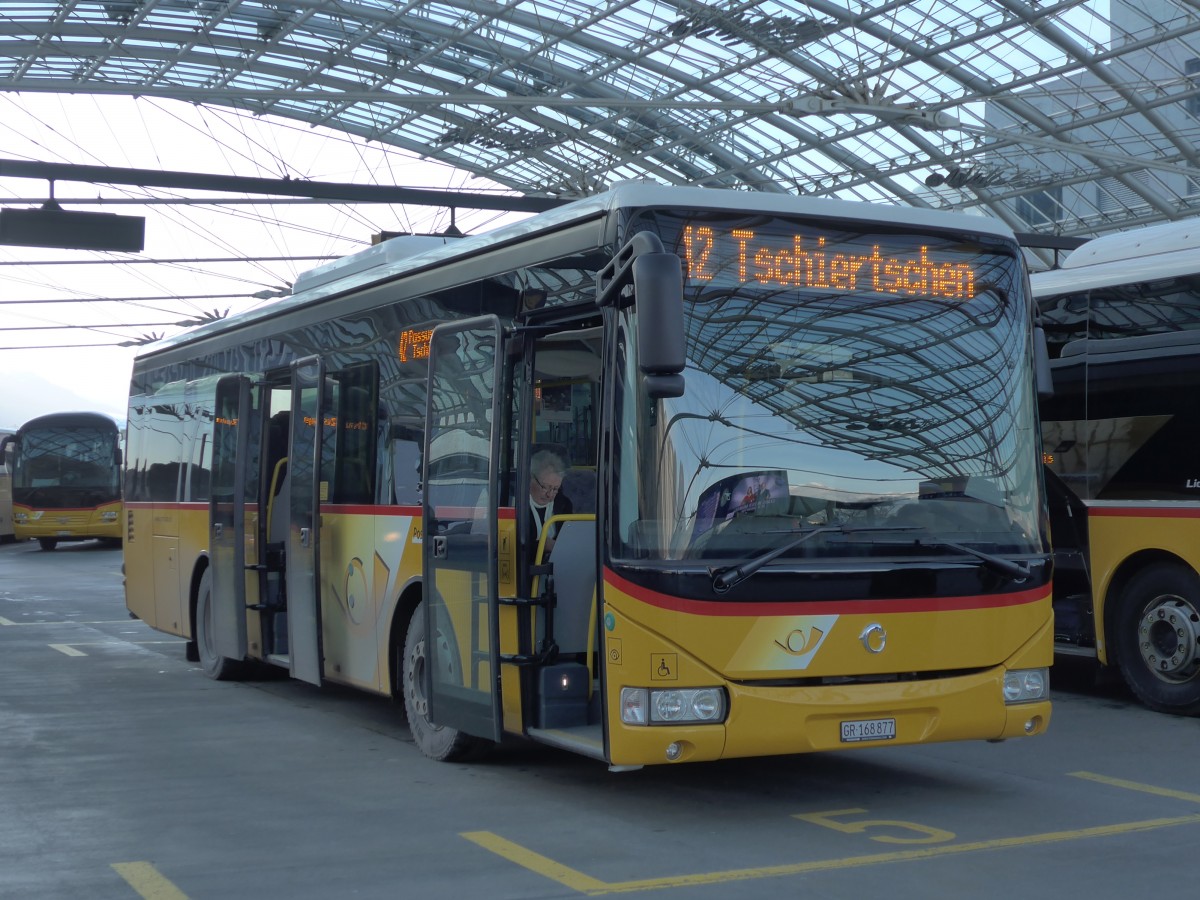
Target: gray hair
{"type": "Point", "coordinates": [547, 460]}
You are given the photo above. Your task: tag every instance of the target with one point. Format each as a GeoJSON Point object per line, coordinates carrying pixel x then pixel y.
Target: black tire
{"type": "Point", "coordinates": [1158, 638]}
{"type": "Point", "coordinates": [48, 544]}
{"type": "Point", "coordinates": [435, 741]}
{"type": "Point", "coordinates": [217, 667]}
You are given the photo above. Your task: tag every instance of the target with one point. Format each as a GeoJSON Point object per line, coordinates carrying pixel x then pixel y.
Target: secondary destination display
{"type": "Point", "coordinates": [771, 259]}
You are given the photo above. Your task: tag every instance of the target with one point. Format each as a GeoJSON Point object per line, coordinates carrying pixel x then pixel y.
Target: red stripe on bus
{"type": "Point", "coordinates": [824, 607]}
{"type": "Point", "coordinates": [149, 504]}
{"type": "Point", "coordinates": [505, 512]}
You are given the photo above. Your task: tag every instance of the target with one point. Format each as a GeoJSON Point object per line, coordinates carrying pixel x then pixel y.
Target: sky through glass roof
{"type": "Point", "coordinates": [1061, 117]}
{"type": "Point", "coordinates": [1008, 107]}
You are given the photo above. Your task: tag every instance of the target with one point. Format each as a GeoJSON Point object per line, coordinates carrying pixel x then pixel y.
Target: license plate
{"type": "Point", "coordinates": [868, 730]}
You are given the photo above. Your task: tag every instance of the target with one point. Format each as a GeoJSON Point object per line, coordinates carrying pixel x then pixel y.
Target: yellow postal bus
{"type": "Point", "coordinates": [65, 478]}
{"type": "Point", "coordinates": [798, 438]}
{"type": "Point", "coordinates": [7, 534]}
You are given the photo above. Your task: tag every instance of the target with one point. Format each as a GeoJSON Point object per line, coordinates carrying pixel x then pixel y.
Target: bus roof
{"type": "Point", "coordinates": [1127, 257]}
{"type": "Point", "coordinates": [71, 420]}
{"type": "Point", "coordinates": [410, 253]}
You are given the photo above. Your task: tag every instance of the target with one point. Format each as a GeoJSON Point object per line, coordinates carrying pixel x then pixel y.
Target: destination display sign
{"type": "Point", "coordinates": [812, 260]}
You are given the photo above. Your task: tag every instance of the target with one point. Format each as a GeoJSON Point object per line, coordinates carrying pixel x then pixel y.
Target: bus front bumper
{"type": "Point", "coordinates": [777, 720]}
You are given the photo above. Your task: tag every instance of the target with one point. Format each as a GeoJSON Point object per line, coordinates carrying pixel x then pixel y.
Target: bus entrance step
{"type": "Point", "coordinates": [586, 740]}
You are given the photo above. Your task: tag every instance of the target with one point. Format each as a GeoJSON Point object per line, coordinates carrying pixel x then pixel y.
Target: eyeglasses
{"type": "Point", "coordinates": [546, 487]}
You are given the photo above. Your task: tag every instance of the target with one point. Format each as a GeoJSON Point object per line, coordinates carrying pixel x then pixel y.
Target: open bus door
{"type": "Point", "coordinates": [310, 402]}
{"type": "Point", "coordinates": [460, 527]}
{"type": "Point", "coordinates": [227, 515]}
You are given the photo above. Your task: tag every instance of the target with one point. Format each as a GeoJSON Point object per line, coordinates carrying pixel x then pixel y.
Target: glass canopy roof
{"type": "Point", "coordinates": [1062, 117]}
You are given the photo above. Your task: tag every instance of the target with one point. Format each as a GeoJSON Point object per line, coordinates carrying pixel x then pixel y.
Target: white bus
{"type": "Point", "coordinates": [1120, 436]}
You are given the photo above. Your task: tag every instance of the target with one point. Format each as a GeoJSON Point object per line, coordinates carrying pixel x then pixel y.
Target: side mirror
{"type": "Point", "coordinates": [641, 272]}
{"type": "Point", "coordinates": [658, 295]}
{"type": "Point", "coordinates": [1041, 361]}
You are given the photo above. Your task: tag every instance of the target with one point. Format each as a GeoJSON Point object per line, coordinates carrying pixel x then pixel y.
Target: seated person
{"type": "Point", "coordinates": [546, 471]}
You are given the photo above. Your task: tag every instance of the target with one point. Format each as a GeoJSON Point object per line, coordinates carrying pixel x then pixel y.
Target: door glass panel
{"type": "Point", "coordinates": [227, 520]}
{"type": "Point", "coordinates": [460, 527]}
{"type": "Point", "coordinates": [303, 552]}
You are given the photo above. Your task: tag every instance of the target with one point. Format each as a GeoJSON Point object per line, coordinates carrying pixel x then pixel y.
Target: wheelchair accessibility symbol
{"type": "Point", "coordinates": [664, 667]}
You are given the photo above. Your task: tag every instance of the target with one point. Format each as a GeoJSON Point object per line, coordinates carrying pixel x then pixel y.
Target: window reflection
{"type": "Point", "coordinates": [808, 408]}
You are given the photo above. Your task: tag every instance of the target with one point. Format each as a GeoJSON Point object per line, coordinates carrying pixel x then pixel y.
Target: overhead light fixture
{"type": "Point", "coordinates": [957, 177]}
{"type": "Point", "coordinates": [930, 119]}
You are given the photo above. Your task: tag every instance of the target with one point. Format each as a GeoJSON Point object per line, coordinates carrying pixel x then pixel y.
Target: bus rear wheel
{"type": "Point", "coordinates": [217, 667]}
{"type": "Point", "coordinates": [1158, 638]}
{"type": "Point", "coordinates": [435, 741]}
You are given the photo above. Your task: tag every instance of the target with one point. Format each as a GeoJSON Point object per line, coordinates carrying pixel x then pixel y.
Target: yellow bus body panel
{"type": "Point", "coordinates": [103, 521]}
{"type": "Point", "coordinates": [164, 545]}
{"type": "Point", "coordinates": [139, 562]}
{"type": "Point", "coordinates": [735, 651]}
{"type": "Point", "coordinates": [367, 561]}
{"type": "Point", "coordinates": [1118, 532]}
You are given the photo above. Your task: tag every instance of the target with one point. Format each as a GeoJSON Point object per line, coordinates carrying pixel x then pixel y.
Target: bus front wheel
{"type": "Point", "coordinates": [216, 666]}
{"type": "Point", "coordinates": [1158, 638]}
{"type": "Point", "coordinates": [48, 543]}
{"type": "Point", "coordinates": [435, 741]}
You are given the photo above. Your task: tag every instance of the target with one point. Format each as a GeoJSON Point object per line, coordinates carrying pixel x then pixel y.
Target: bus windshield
{"type": "Point", "coordinates": [68, 458]}
{"type": "Point", "coordinates": [869, 388]}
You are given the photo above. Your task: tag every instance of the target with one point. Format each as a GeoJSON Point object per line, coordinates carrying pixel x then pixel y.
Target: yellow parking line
{"type": "Point", "coordinates": [1137, 786]}
{"type": "Point", "coordinates": [535, 862]}
{"type": "Point", "coordinates": [148, 882]}
{"type": "Point", "coordinates": [585, 884]}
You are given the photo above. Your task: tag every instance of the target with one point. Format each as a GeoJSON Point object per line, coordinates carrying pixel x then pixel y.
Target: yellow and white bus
{"type": "Point", "coordinates": [799, 438]}
{"type": "Point", "coordinates": [66, 478]}
{"type": "Point", "coordinates": [1122, 320]}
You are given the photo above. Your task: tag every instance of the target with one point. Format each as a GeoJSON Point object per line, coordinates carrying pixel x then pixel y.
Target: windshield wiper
{"type": "Point", "coordinates": [726, 577]}
{"type": "Point", "coordinates": [1017, 570]}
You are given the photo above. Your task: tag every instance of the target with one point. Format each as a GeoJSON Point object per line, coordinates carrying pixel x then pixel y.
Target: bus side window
{"type": "Point", "coordinates": [279, 503]}
{"type": "Point", "coordinates": [404, 465]}
{"type": "Point", "coordinates": [355, 427]}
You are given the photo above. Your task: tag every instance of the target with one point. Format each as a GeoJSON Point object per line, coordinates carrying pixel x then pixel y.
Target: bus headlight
{"type": "Point", "coordinates": [642, 706]}
{"type": "Point", "coordinates": [1026, 685]}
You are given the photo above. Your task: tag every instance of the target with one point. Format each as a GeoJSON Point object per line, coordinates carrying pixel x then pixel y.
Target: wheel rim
{"type": "Point", "coordinates": [416, 680]}
{"type": "Point", "coordinates": [416, 663]}
{"type": "Point", "coordinates": [1169, 638]}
